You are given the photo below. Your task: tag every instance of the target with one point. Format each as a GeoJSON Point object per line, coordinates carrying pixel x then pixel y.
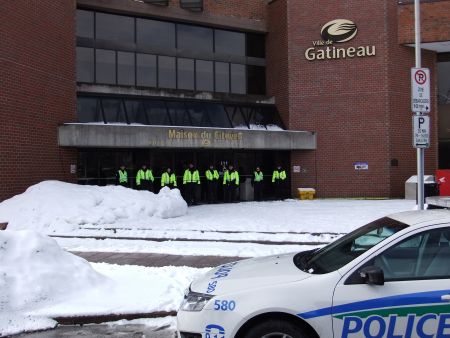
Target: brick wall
{"type": "Point", "coordinates": [37, 91]}
{"type": "Point", "coordinates": [359, 107]}
{"type": "Point", "coordinates": [435, 18]}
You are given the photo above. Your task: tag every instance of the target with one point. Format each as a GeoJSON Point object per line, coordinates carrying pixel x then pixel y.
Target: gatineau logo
{"type": "Point", "coordinates": [336, 32]}
{"type": "Point", "coordinates": [339, 30]}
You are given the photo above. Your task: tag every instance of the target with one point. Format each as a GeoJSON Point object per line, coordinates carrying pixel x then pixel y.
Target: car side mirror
{"type": "Point", "coordinates": [372, 275]}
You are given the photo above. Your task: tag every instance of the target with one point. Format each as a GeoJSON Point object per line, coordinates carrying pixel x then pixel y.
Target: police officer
{"type": "Point", "coordinates": [122, 176]}
{"type": "Point", "coordinates": [231, 183]}
{"type": "Point", "coordinates": [278, 179]}
{"type": "Point", "coordinates": [191, 180]}
{"type": "Point", "coordinates": [145, 179]}
{"type": "Point", "coordinates": [258, 178]}
{"type": "Point", "coordinates": [212, 180]}
{"type": "Point", "coordinates": [168, 179]}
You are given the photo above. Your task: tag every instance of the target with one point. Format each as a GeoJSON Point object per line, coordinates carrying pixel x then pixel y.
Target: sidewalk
{"type": "Point", "coordinates": [155, 260]}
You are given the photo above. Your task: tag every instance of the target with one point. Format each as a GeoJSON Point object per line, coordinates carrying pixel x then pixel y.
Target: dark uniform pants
{"type": "Point", "coordinates": [211, 191]}
{"type": "Point", "coordinates": [258, 189]}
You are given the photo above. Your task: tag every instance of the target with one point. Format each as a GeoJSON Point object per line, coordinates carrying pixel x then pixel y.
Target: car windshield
{"type": "Point", "coordinates": [341, 252]}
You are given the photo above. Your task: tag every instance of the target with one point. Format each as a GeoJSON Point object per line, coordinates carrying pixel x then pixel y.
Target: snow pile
{"type": "Point", "coordinates": [53, 205]}
{"type": "Point", "coordinates": [36, 272]}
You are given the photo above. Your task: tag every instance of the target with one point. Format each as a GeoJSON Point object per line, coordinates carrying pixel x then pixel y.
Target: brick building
{"type": "Point", "coordinates": [88, 85]}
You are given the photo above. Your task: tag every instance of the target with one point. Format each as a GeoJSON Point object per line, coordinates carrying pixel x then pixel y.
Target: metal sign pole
{"type": "Point", "coordinates": [420, 151]}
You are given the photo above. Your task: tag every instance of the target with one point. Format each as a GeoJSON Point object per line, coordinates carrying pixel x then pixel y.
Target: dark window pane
{"type": "Point", "coordinates": [236, 117]}
{"type": "Point", "coordinates": [166, 72]}
{"type": "Point", "coordinates": [222, 77]}
{"type": "Point", "coordinates": [238, 79]}
{"type": "Point", "coordinates": [227, 42]}
{"type": "Point", "coordinates": [114, 111]}
{"type": "Point", "coordinates": [199, 115]}
{"type": "Point", "coordinates": [88, 110]}
{"type": "Point", "coordinates": [194, 38]}
{"type": "Point", "coordinates": [136, 111]}
{"type": "Point", "coordinates": [178, 114]}
{"type": "Point", "coordinates": [185, 74]}
{"type": "Point", "coordinates": [125, 68]}
{"type": "Point", "coordinates": [157, 113]}
{"type": "Point", "coordinates": [153, 33]}
{"type": "Point", "coordinates": [114, 27]}
{"type": "Point", "coordinates": [105, 66]}
{"type": "Point", "coordinates": [218, 116]}
{"type": "Point", "coordinates": [85, 24]}
{"type": "Point", "coordinates": [256, 80]}
{"type": "Point", "coordinates": [146, 70]}
{"type": "Point", "coordinates": [256, 45]}
{"type": "Point", "coordinates": [204, 75]}
{"type": "Point", "coordinates": [85, 64]}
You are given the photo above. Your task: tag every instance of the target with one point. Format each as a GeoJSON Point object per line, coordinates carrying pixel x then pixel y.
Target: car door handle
{"type": "Point", "coordinates": [445, 298]}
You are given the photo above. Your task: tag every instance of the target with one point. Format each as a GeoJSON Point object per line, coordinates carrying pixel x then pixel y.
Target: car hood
{"type": "Point", "coordinates": [249, 273]}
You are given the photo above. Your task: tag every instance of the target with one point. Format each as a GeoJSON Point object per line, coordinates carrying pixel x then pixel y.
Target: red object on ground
{"type": "Point", "coordinates": [443, 180]}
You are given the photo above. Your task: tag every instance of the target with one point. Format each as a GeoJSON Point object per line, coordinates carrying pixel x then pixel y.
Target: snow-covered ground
{"type": "Point", "coordinates": [39, 280]}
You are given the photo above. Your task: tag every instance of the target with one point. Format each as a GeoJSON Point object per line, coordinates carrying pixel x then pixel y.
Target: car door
{"type": "Point", "coordinates": [415, 298]}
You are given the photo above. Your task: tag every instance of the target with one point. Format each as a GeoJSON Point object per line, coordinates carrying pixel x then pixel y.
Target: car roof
{"type": "Point", "coordinates": [422, 217]}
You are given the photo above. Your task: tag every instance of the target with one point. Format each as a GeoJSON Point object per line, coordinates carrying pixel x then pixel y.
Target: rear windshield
{"type": "Point", "coordinates": [341, 252]}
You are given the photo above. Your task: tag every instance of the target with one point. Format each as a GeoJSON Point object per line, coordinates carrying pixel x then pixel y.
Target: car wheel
{"type": "Point", "coordinates": [276, 329]}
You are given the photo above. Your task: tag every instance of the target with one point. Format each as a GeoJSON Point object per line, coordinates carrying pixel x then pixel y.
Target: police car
{"type": "Point", "coordinates": [389, 278]}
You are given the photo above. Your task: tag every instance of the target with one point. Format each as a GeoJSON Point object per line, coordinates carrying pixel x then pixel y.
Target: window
{"type": "Point", "coordinates": [130, 51]}
{"type": "Point", "coordinates": [256, 45]}
{"type": "Point", "coordinates": [256, 80]}
{"type": "Point", "coordinates": [198, 114]}
{"type": "Point", "coordinates": [172, 112]}
{"type": "Point", "coordinates": [85, 64]}
{"type": "Point", "coordinates": [166, 72]}
{"type": "Point", "coordinates": [222, 77]}
{"type": "Point", "coordinates": [105, 66]}
{"type": "Point", "coordinates": [136, 111]}
{"type": "Point", "coordinates": [185, 74]}
{"type": "Point", "coordinates": [146, 70]}
{"type": "Point", "coordinates": [157, 113]}
{"type": "Point", "coordinates": [125, 69]}
{"type": "Point", "coordinates": [85, 24]}
{"type": "Point", "coordinates": [178, 114]}
{"type": "Point", "coordinates": [341, 252]}
{"type": "Point", "coordinates": [194, 38]}
{"type": "Point", "coordinates": [159, 34]}
{"type": "Point", "coordinates": [218, 116]}
{"type": "Point", "coordinates": [116, 28]}
{"type": "Point", "coordinates": [89, 110]}
{"type": "Point", "coordinates": [114, 111]}
{"type": "Point", "coordinates": [204, 75]}
{"type": "Point", "coordinates": [227, 42]}
{"type": "Point", "coordinates": [238, 79]}
{"type": "Point", "coordinates": [422, 256]}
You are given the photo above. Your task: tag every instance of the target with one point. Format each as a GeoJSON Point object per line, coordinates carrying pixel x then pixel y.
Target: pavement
{"type": "Point", "coordinates": [156, 260]}
{"type": "Point", "coordinates": [104, 331]}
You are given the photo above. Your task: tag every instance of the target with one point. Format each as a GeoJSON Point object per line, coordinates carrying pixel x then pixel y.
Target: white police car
{"type": "Point", "coordinates": [390, 278]}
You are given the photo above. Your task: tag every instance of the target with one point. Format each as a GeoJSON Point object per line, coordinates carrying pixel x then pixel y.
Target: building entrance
{"type": "Point", "coordinates": [98, 166]}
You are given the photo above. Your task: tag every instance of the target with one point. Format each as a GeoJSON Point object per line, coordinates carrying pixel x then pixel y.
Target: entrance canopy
{"type": "Point", "coordinates": [92, 135]}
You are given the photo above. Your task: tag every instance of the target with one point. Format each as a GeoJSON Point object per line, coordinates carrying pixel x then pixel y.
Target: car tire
{"type": "Point", "coordinates": [275, 328]}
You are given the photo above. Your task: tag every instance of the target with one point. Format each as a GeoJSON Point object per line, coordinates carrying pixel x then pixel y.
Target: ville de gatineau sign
{"type": "Point", "coordinates": [337, 31]}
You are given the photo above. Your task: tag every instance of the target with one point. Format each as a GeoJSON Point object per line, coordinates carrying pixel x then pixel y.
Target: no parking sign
{"type": "Point", "coordinates": [420, 85]}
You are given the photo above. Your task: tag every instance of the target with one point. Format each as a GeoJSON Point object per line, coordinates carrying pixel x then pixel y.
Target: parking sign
{"type": "Point", "coordinates": [421, 131]}
{"type": "Point", "coordinates": [420, 85]}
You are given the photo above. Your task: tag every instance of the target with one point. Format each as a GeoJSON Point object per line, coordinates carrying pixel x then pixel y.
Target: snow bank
{"type": "Point", "coordinates": [36, 272]}
{"type": "Point", "coordinates": [53, 205]}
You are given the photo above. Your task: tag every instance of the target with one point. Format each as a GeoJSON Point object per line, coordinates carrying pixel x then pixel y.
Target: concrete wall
{"type": "Point", "coordinates": [114, 136]}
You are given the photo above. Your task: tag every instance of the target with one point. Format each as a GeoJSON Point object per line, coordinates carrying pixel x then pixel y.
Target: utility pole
{"type": "Point", "coordinates": [420, 151]}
